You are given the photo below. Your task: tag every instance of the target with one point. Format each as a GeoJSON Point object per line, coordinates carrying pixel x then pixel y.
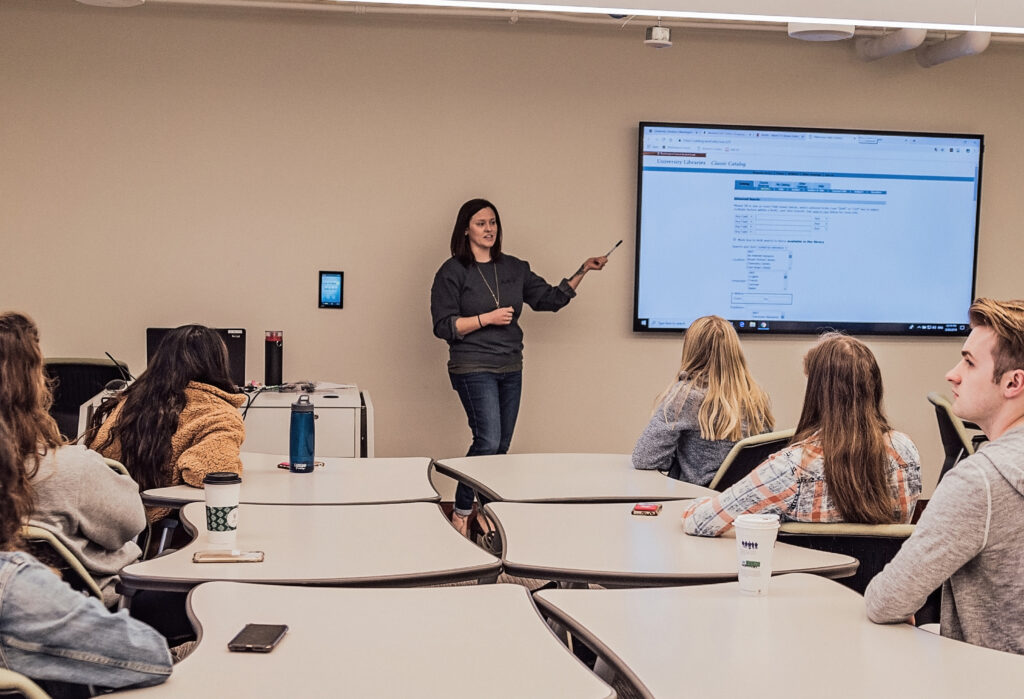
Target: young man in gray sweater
{"type": "Point", "coordinates": [970, 538]}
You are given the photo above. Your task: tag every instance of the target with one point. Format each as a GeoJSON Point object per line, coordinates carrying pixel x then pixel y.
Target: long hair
{"type": "Point", "coordinates": [15, 491]}
{"type": "Point", "coordinates": [25, 395]}
{"type": "Point", "coordinates": [460, 241]}
{"type": "Point", "coordinates": [843, 411]}
{"type": "Point", "coordinates": [152, 405]}
{"type": "Point", "coordinates": [734, 405]}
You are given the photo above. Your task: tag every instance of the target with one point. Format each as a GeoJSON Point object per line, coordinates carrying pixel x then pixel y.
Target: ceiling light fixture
{"type": "Point", "coordinates": [112, 3]}
{"type": "Point", "coordinates": [932, 16]}
{"type": "Point", "coordinates": [820, 32]}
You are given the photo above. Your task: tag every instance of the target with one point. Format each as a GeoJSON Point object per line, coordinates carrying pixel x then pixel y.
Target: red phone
{"type": "Point", "coordinates": [650, 509]}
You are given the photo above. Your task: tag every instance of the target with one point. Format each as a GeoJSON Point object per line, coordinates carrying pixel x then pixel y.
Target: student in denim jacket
{"type": "Point", "coordinates": [52, 633]}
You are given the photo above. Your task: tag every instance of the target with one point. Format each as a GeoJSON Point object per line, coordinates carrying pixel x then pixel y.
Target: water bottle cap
{"type": "Point", "coordinates": [302, 405]}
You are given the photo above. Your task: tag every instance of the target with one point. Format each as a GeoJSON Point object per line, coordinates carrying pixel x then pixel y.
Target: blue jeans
{"type": "Point", "coordinates": [492, 404]}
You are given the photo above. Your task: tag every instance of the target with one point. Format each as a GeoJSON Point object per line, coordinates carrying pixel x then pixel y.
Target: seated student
{"type": "Point", "coordinates": [179, 421]}
{"type": "Point", "coordinates": [50, 632]}
{"type": "Point", "coordinates": [713, 403]}
{"type": "Point", "coordinates": [845, 464]}
{"type": "Point", "coordinates": [93, 510]}
{"type": "Point", "coordinates": [968, 539]}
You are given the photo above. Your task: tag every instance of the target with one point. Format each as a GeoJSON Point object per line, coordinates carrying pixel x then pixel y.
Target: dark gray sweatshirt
{"type": "Point", "coordinates": [460, 291]}
{"type": "Point", "coordinates": [970, 540]}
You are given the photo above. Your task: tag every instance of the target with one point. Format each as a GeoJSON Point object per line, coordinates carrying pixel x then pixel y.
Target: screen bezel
{"type": "Point", "coordinates": [744, 325]}
{"type": "Point", "coordinates": [322, 303]}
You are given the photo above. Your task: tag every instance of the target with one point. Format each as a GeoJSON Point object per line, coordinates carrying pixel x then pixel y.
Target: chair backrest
{"type": "Point", "coordinates": [117, 466]}
{"type": "Point", "coordinates": [76, 380]}
{"type": "Point", "coordinates": [44, 545]}
{"type": "Point", "coordinates": [747, 454]}
{"type": "Point", "coordinates": [873, 545]}
{"type": "Point", "coordinates": [15, 684]}
{"type": "Point", "coordinates": [956, 442]}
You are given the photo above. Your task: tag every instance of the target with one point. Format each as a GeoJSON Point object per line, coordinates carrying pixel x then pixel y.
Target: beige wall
{"type": "Point", "coordinates": [166, 165]}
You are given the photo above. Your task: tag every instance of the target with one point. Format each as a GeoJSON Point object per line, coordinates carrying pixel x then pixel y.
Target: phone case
{"type": "Point", "coordinates": [257, 638]}
{"type": "Point", "coordinates": [227, 557]}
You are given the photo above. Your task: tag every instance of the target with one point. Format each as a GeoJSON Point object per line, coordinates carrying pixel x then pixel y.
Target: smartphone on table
{"type": "Point", "coordinates": [650, 509]}
{"type": "Point", "coordinates": [258, 638]}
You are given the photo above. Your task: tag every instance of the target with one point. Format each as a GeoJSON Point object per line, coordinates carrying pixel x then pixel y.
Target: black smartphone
{"type": "Point", "coordinates": [258, 638]}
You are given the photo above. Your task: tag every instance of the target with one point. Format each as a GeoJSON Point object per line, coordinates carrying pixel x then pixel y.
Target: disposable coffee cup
{"type": "Point", "coordinates": [222, 492]}
{"type": "Point", "coordinates": [755, 542]}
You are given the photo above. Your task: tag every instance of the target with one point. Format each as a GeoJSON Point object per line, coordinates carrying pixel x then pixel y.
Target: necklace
{"type": "Point", "coordinates": [496, 291]}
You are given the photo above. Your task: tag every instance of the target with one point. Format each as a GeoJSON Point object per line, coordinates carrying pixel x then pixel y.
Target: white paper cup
{"type": "Point", "coordinates": [222, 492]}
{"type": "Point", "coordinates": [755, 541]}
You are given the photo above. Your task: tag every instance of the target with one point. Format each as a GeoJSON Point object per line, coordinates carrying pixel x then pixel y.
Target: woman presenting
{"type": "Point", "coordinates": [475, 302]}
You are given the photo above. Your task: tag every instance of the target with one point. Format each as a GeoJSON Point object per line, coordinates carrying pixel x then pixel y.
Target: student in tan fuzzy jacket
{"type": "Point", "coordinates": [179, 421]}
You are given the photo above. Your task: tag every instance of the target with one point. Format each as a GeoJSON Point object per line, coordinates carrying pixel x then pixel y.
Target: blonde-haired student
{"type": "Point", "coordinates": [713, 403]}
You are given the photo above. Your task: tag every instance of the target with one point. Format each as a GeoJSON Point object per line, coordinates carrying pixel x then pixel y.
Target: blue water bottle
{"type": "Point", "coordinates": [301, 437]}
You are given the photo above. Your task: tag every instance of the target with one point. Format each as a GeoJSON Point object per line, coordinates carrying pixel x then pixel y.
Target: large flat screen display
{"type": "Point", "coordinates": [234, 340]}
{"type": "Point", "coordinates": [796, 230]}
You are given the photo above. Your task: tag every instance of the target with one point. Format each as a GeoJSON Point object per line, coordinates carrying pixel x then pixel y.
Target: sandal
{"type": "Point", "coordinates": [461, 523]}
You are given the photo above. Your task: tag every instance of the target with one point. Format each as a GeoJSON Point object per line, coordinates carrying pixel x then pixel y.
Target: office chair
{"type": "Point", "coordinates": [15, 684]}
{"type": "Point", "coordinates": [957, 442]}
{"type": "Point", "coordinates": [874, 545]}
{"type": "Point", "coordinates": [44, 545]}
{"type": "Point", "coordinates": [76, 380]}
{"type": "Point", "coordinates": [117, 466]}
{"type": "Point", "coordinates": [746, 455]}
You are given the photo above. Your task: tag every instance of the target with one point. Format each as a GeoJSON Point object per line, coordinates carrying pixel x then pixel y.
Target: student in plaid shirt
{"type": "Point", "coordinates": [845, 464]}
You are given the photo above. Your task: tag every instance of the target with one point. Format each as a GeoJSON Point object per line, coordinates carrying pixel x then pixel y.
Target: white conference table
{"type": "Point", "coordinates": [604, 543]}
{"type": "Point", "coordinates": [808, 637]}
{"type": "Point", "coordinates": [488, 640]}
{"type": "Point", "coordinates": [565, 478]}
{"type": "Point", "coordinates": [387, 545]}
{"type": "Point", "coordinates": [340, 481]}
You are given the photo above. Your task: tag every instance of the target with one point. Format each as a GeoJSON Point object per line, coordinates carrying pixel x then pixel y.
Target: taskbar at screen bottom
{"type": "Point", "coordinates": [792, 327]}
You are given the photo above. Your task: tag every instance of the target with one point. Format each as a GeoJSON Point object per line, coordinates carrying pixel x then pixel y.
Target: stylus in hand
{"type": "Point", "coordinates": [613, 248]}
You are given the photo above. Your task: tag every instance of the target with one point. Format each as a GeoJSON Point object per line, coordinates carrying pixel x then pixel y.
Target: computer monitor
{"type": "Point", "coordinates": [234, 340]}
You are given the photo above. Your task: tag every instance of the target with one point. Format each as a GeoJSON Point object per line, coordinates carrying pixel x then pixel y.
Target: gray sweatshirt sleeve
{"type": "Point", "coordinates": [657, 444]}
{"type": "Point", "coordinates": [444, 303]}
{"type": "Point", "coordinates": [110, 510]}
{"type": "Point", "coordinates": [952, 530]}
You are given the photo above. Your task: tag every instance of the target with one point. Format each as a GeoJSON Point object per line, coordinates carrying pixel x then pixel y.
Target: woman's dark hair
{"type": "Point", "coordinates": [15, 491]}
{"type": "Point", "coordinates": [460, 240]}
{"type": "Point", "coordinates": [25, 395]}
{"type": "Point", "coordinates": [152, 405]}
{"type": "Point", "coordinates": [843, 410]}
